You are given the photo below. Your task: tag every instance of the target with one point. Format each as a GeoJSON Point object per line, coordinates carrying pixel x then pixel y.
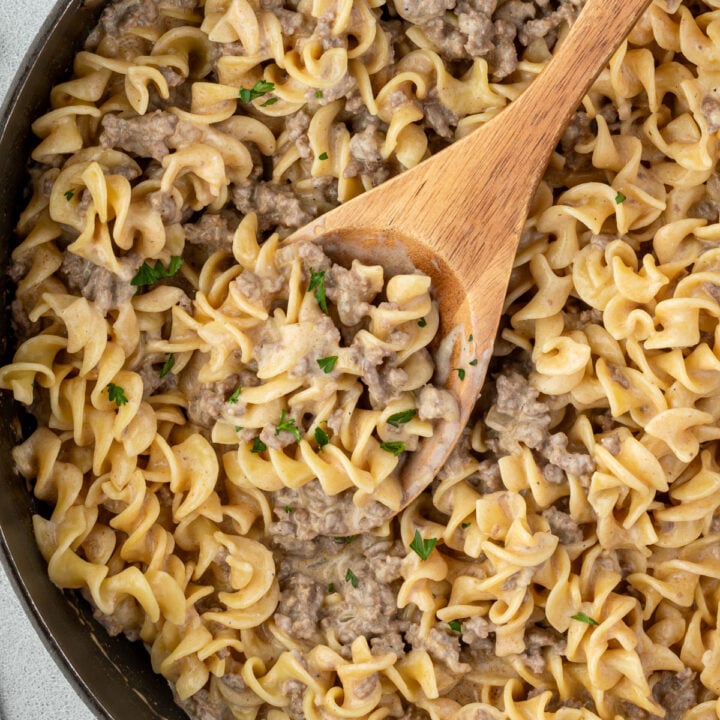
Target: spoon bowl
{"type": "Point", "coordinates": [458, 217]}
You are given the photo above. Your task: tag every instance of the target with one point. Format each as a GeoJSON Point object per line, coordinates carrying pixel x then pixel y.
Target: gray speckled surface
{"type": "Point", "coordinates": [31, 685]}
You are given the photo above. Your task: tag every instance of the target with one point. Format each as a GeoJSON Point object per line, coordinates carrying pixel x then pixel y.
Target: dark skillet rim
{"type": "Point", "coordinates": [112, 675]}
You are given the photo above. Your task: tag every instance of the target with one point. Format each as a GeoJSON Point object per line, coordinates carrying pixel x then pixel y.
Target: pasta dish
{"type": "Point", "coordinates": [217, 407]}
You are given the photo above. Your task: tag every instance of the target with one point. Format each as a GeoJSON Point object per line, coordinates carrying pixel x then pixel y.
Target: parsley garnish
{"type": "Point", "coordinates": [620, 198]}
{"type": "Point", "coordinates": [318, 94]}
{"type": "Point", "coordinates": [470, 338]}
{"type": "Point", "coordinates": [149, 275]}
{"type": "Point", "coordinates": [395, 447]}
{"type": "Point", "coordinates": [466, 525]}
{"type": "Point", "coordinates": [331, 588]}
{"type": "Point", "coordinates": [422, 547]}
{"type": "Point", "coordinates": [351, 578]}
{"type": "Point", "coordinates": [473, 362]}
{"type": "Point", "coordinates": [327, 364]}
{"type": "Point", "coordinates": [235, 396]}
{"type": "Point", "coordinates": [323, 156]}
{"type": "Point", "coordinates": [260, 88]}
{"type": "Point", "coordinates": [116, 394]}
{"type": "Point", "coordinates": [168, 366]}
{"type": "Point", "coordinates": [455, 626]}
{"type": "Point", "coordinates": [422, 322]}
{"type": "Point", "coordinates": [288, 425]}
{"type": "Point", "coordinates": [401, 417]}
{"type": "Point", "coordinates": [582, 617]}
{"type": "Point", "coordinates": [69, 194]}
{"type": "Point", "coordinates": [321, 438]}
{"type": "Point", "coordinates": [461, 373]}
{"type": "Point", "coordinates": [238, 428]}
{"type": "Point", "coordinates": [344, 540]}
{"type": "Point", "coordinates": [269, 101]}
{"type": "Point", "coordinates": [258, 446]}
{"type": "Point", "coordinates": [317, 283]}
{"type": "Point", "coordinates": [289, 509]}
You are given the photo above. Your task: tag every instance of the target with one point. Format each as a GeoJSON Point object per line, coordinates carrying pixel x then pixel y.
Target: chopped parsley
{"type": "Point", "coordinates": [237, 428]}
{"type": "Point", "coordinates": [69, 194]}
{"type": "Point", "coordinates": [323, 156]}
{"type": "Point", "coordinates": [331, 588]}
{"type": "Point", "coordinates": [269, 101]}
{"type": "Point", "coordinates": [233, 399]}
{"type": "Point", "coordinates": [582, 617]}
{"type": "Point", "coordinates": [470, 338]}
{"type": "Point", "coordinates": [318, 94]}
{"type": "Point", "coordinates": [465, 525]}
{"type": "Point", "coordinates": [116, 394]}
{"type": "Point", "coordinates": [287, 424]}
{"type": "Point", "coordinates": [422, 547]}
{"type": "Point", "coordinates": [327, 364]}
{"type": "Point", "coordinates": [455, 626]}
{"type": "Point", "coordinates": [351, 578]}
{"type": "Point", "coordinates": [258, 446]}
{"type": "Point", "coordinates": [461, 373]}
{"type": "Point", "coordinates": [260, 88]}
{"type": "Point", "coordinates": [289, 509]}
{"type": "Point", "coordinates": [395, 447]}
{"type": "Point", "coordinates": [422, 322]}
{"type": "Point", "coordinates": [396, 419]}
{"type": "Point", "coordinates": [149, 275]}
{"type": "Point", "coordinates": [473, 362]}
{"type": "Point", "coordinates": [321, 438]}
{"type": "Point", "coordinates": [345, 540]}
{"type": "Point", "coordinates": [317, 283]}
{"type": "Point", "coordinates": [620, 198]}
{"type": "Point", "coordinates": [168, 365]}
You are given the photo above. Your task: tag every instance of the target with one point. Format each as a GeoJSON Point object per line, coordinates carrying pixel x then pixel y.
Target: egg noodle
{"type": "Point", "coordinates": [204, 425]}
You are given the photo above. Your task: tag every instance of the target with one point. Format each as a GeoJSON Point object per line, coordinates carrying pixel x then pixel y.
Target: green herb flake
{"type": "Point", "coordinates": [396, 419]}
{"type": "Point", "coordinates": [258, 446]}
{"type": "Point", "coordinates": [287, 424]}
{"type": "Point", "coordinates": [422, 547]}
{"type": "Point", "coordinates": [318, 94]}
{"type": "Point", "coordinates": [582, 617]}
{"type": "Point", "coordinates": [331, 588]}
{"type": "Point", "coordinates": [327, 364]}
{"type": "Point", "coordinates": [620, 198]}
{"type": "Point", "coordinates": [269, 101]}
{"type": "Point", "coordinates": [289, 509]}
{"type": "Point", "coordinates": [69, 195]}
{"type": "Point", "coordinates": [473, 363]}
{"type": "Point", "coordinates": [471, 338]}
{"type": "Point", "coordinates": [317, 283]}
{"type": "Point", "coordinates": [237, 428]}
{"type": "Point", "coordinates": [233, 399]}
{"type": "Point", "coordinates": [260, 88]}
{"type": "Point", "coordinates": [465, 525]}
{"type": "Point", "coordinates": [395, 447]}
{"type": "Point", "coordinates": [323, 156]}
{"type": "Point", "coordinates": [345, 540]}
{"type": "Point", "coordinates": [455, 626]}
{"type": "Point", "coordinates": [168, 365]}
{"type": "Point", "coordinates": [116, 394]}
{"type": "Point", "coordinates": [351, 578]}
{"type": "Point", "coordinates": [321, 438]}
{"type": "Point", "coordinates": [461, 373]}
{"type": "Point", "coordinates": [422, 322]}
{"type": "Point", "coordinates": [149, 275]}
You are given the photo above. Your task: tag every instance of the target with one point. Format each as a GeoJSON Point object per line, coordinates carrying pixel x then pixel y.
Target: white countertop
{"type": "Point", "coordinates": [31, 684]}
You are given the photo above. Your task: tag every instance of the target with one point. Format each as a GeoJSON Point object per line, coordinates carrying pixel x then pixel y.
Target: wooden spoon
{"type": "Point", "coordinates": [458, 217]}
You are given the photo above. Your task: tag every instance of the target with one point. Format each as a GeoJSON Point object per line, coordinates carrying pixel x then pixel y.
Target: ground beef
{"type": "Point", "coordinates": [437, 404]}
{"type": "Point", "coordinates": [275, 205]}
{"type": "Point", "coordinates": [206, 401]}
{"type": "Point", "coordinates": [677, 692]}
{"type": "Point", "coordinates": [563, 526]}
{"type": "Point", "coordinates": [213, 231]}
{"type": "Point", "coordinates": [421, 11]}
{"type": "Point", "coordinates": [442, 644]}
{"type": "Point", "coordinates": [200, 707]}
{"type": "Point", "coordinates": [539, 641]}
{"type": "Point", "coordinates": [555, 450]}
{"type": "Point", "coordinates": [298, 611]}
{"type": "Point", "coordinates": [107, 290]}
{"type": "Point", "coordinates": [145, 136]}
{"type": "Point", "coordinates": [365, 156]}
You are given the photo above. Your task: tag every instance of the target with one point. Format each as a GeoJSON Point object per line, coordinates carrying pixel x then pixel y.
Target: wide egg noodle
{"type": "Point", "coordinates": [575, 570]}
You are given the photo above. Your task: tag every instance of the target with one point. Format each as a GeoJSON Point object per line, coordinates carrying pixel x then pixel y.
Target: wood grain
{"type": "Point", "coordinates": [459, 214]}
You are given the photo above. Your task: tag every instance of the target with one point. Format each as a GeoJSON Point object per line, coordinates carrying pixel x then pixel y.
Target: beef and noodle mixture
{"type": "Point", "coordinates": [212, 402]}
